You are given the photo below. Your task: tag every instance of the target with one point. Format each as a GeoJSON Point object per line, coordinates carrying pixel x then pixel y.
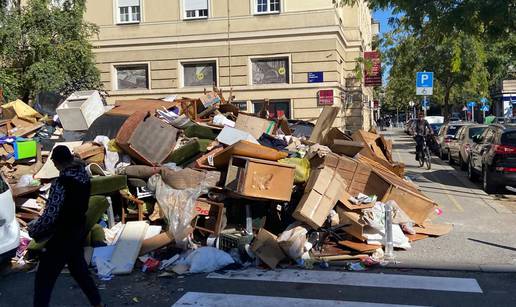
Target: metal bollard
{"type": "Point", "coordinates": [389, 245]}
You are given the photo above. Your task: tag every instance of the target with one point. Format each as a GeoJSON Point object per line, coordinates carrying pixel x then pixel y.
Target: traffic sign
{"type": "Point", "coordinates": [425, 103]}
{"type": "Point", "coordinates": [484, 108]}
{"type": "Point", "coordinates": [424, 83]}
{"type": "Point", "coordinates": [472, 104]}
{"type": "Point", "coordinates": [484, 100]}
{"type": "Point", "coordinates": [464, 109]}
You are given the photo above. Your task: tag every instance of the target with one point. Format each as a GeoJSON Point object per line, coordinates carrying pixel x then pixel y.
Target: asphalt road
{"type": "Point", "coordinates": [331, 287]}
{"type": "Point", "coordinates": [483, 236]}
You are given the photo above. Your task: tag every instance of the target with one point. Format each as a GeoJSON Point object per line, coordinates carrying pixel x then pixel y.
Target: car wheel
{"type": "Point", "coordinates": [471, 172]}
{"type": "Point", "coordinates": [463, 165]}
{"type": "Point", "coordinates": [487, 184]}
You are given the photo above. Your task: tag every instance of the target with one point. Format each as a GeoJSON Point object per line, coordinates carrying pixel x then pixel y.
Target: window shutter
{"type": "Point", "coordinates": [128, 3]}
{"type": "Point", "coordinates": [196, 5]}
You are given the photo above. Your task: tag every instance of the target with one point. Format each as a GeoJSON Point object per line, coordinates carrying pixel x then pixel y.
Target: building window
{"type": "Point", "coordinates": [195, 9]}
{"type": "Point", "coordinates": [267, 6]}
{"type": "Point", "coordinates": [132, 76]}
{"type": "Point", "coordinates": [270, 70]}
{"type": "Point", "coordinates": [129, 11]}
{"type": "Point", "coordinates": [241, 105]}
{"type": "Point", "coordinates": [276, 109]}
{"type": "Point", "coordinates": [200, 74]}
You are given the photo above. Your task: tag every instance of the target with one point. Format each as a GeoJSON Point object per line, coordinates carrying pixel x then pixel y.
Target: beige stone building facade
{"type": "Point", "coordinates": [287, 51]}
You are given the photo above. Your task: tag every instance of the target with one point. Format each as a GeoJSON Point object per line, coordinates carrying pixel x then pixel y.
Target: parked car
{"type": "Point", "coordinates": [493, 156]}
{"type": "Point", "coordinates": [460, 145]}
{"type": "Point", "coordinates": [9, 228]}
{"type": "Point", "coordinates": [444, 137]}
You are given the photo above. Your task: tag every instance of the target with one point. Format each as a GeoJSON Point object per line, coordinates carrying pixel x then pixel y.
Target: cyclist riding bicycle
{"type": "Point", "coordinates": [422, 130]}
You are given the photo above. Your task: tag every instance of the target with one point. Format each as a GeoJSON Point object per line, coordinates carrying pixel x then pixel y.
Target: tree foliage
{"type": "Point", "coordinates": [478, 17]}
{"type": "Point", "coordinates": [46, 48]}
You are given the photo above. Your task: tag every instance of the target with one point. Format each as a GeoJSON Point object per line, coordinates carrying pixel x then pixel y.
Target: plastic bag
{"type": "Point", "coordinates": [177, 206]}
{"type": "Point", "coordinates": [292, 241]}
{"type": "Point", "coordinates": [26, 181]}
{"type": "Point", "coordinates": [302, 168]}
{"type": "Point", "coordinates": [208, 259]}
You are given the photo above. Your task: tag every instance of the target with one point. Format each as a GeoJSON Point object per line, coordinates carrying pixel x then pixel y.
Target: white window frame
{"type": "Point", "coordinates": [254, 8]}
{"type": "Point", "coordinates": [114, 76]}
{"type": "Point", "coordinates": [264, 57]}
{"type": "Point", "coordinates": [181, 71]}
{"type": "Point", "coordinates": [185, 17]}
{"type": "Point", "coordinates": [116, 12]}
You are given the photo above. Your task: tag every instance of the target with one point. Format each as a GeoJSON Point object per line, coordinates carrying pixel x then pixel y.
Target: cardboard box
{"type": "Point", "coordinates": [321, 194]}
{"type": "Point", "coordinates": [255, 126]}
{"type": "Point", "coordinates": [80, 109]}
{"type": "Point", "coordinates": [266, 247]}
{"type": "Point", "coordinates": [260, 179]}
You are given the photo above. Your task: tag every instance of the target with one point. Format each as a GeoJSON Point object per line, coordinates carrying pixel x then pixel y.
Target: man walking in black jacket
{"type": "Point", "coordinates": [63, 224]}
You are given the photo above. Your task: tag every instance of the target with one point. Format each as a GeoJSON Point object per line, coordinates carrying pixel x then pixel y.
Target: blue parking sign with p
{"type": "Point", "coordinates": [425, 79]}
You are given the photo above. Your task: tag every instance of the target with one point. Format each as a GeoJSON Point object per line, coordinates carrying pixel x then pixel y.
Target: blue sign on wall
{"type": "Point", "coordinates": [315, 77]}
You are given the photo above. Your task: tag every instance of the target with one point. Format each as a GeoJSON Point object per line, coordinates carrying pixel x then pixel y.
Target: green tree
{"type": "Point", "coordinates": [479, 17]}
{"type": "Point", "coordinates": [46, 48]}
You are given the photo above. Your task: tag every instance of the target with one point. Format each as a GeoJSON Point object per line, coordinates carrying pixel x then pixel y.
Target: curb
{"type": "Point", "coordinates": [483, 268]}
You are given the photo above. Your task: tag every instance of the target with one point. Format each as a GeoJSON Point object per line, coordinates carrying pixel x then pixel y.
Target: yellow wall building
{"type": "Point", "coordinates": [261, 49]}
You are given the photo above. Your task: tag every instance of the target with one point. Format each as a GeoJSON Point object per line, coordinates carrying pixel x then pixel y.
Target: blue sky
{"type": "Point", "coordinates": [383, 17]}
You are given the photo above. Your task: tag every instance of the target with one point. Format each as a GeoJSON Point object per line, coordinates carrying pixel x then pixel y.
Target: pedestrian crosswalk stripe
{"type": "Point", "coordinates": [238, 300]}
{"type": "Point", "coordinates": [357, 279]}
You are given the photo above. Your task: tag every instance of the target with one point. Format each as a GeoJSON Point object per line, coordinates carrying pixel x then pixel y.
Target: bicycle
{"type": "Point", "coordinates": [425, 157]}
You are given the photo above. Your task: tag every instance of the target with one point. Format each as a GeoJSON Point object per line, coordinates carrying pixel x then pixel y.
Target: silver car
{"type": "Point", "coordinates": [459, 147]}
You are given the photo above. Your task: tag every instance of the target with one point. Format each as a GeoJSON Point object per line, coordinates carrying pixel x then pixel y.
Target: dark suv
{"type": "Point", "coordinates": [493, 155]}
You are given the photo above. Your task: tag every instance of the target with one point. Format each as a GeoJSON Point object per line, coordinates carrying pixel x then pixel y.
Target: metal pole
{"type": "Point", "coordinates": [473, 114]}
{"type": "Point", "coordinates": [424, 104]}
{"type": "Point", "coordinates": [389, 245]}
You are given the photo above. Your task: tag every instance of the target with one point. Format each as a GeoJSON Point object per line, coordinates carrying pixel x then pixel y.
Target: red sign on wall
{"type": "Point", "coordinates": [373, 77]}
{"type": "Point", "coordinates": [325, 98]}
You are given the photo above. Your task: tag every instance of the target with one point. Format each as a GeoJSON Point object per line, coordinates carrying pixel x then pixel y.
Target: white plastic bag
{"type": "Point", "coordinates": [177, 206]}
{"type": "Point", "coordinates": [208, 259]}
{"type": "Point", "coordinates": [292, 241]}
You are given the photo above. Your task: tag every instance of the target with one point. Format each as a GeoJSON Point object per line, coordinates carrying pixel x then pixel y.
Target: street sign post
{"type": "Point", "coordinates": [425, 104]}
{"type": "Point", "coordinates": [485, 107]}
{"type": "Point", "coordinates": [425, 83]}
{"type": "Point", "coordinates": [472, 105]}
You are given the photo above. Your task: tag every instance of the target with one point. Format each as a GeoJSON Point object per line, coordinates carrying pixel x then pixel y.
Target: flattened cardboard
{"type": "Point", "coordinates": [417, 207]}
{"type": "Point", "coordinates": [255, 126]}
{"type": "Point", "coordinates": [324, 124]}
{"type": "Point", "coordinates": [344, 200]}
{"type": "Point", "coordinates": [230, 136]}
{"type": "Point", "coordinates": [156, 242]}
{"type": "Point", "coordinates": [416, 237]}
{"type": "Point", "coordinates": [434, 230]}
{"type": "Point", "coordinates": [356, 228]}
{"type": "Point", "coordinates": [266, 247]}
{"type": "Point", "coordinates": [49, 171]}
{"type": "Point", "coordinates": [348, 148]}
{"type": "Point", "coordinates": [359, 246]}
{"type": "Point", "coordinates": [323, 190]}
